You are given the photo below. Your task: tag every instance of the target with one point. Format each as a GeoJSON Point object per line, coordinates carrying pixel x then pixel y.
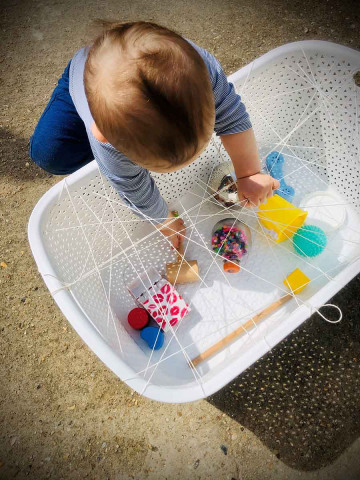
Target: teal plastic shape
{"type": "Point", "coordinates": [309, 241]}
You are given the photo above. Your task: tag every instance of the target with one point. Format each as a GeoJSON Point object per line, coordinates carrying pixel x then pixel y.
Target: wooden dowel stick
{"type": "Point", "coordinates": [240, 331]}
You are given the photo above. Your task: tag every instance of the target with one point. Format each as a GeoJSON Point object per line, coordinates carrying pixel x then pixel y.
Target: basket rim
{"type": "Point", "coordinates": [80, 321]}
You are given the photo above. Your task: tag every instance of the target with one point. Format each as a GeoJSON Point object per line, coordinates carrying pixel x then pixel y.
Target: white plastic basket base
{"type": "Point", "coordinates": [304, 103]}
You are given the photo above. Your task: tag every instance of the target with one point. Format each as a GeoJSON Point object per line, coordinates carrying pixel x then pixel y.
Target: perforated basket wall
{"type": "Point", "coordinates": [304, 103]}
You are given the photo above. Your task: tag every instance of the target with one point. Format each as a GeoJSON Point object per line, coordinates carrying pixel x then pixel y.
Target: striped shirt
{"type": "Point", "coordinates": [134, 184]}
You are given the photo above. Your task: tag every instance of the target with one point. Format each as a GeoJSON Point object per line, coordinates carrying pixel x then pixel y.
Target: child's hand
{"type": "Point", "coordinates": [256, 189]}
{"type": "Point", "coordinates": [174, 230]}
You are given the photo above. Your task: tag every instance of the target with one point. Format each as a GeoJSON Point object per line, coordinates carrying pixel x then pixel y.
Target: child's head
{"type": "Point", "coordinates": [150, 95]}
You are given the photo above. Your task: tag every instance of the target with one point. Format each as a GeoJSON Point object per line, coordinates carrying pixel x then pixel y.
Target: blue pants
{"type": "Point", "coordinates": [60, 144]}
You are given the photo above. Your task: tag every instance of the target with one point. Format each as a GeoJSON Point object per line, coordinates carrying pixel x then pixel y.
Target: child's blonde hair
{"type": "Point", "coordinates": [149, 93]}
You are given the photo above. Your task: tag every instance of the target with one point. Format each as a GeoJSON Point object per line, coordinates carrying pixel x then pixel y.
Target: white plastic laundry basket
{"type": "Point", "coordinates": [304, 102]}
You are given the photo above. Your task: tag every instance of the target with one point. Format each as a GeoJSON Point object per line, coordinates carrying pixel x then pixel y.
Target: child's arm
{"type": "Point", "coordinates": [252, 185]}
{"type": "Point", "coordinates": [173, 228]}
{"type": "Point", "coordinates": [139, 191]}
{"type": "Point", "coordinates": [232, 124]}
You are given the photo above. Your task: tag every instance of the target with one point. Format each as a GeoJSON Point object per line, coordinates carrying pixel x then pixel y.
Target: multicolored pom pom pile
{"type": "Point", "coordinates": [229, 242]}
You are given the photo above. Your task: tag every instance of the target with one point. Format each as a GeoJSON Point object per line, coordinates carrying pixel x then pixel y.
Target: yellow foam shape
{"type": "Point", "coordinates": [296, 281]}
{"type": "Point", "coordinates": [280, 218]}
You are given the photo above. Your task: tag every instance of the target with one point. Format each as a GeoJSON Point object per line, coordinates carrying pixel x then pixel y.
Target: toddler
{"type": "Point", "coordinates": [142, 98]}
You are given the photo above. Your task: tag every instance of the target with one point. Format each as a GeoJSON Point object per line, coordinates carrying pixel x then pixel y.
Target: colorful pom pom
{"type": "Point", "coordinates": [309, 241]}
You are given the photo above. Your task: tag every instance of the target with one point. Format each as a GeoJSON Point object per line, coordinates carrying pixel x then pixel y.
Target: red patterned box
{"type": "Point", "coordinates": [165, 305]}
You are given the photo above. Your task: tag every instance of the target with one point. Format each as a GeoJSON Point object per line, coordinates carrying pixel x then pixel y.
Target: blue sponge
{"type": "Point", "coordinates": [153, 336]}
{"type": "Point", "coordinates": [274, 165]}
{"type": "Point", "coordinates": [309, 241]}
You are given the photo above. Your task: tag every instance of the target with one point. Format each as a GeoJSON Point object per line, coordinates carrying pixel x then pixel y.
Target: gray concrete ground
{"type": "Point", "coordinates": [293, 415]}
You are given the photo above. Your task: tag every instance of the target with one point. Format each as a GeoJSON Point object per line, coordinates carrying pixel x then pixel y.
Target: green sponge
{"type": "Point", "coordinates": [309, 241]}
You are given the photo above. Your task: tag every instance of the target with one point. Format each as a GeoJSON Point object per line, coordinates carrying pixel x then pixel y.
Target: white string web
{"type": "Point", "coordinates": [305, 106]}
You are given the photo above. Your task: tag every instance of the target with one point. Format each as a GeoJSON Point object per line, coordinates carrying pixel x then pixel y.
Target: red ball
{"type": "Point", "coordinates": [138, 318]}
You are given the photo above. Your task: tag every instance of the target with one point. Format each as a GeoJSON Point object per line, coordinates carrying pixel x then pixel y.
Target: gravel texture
{"type": "Point", "coordinates": [64, 415]}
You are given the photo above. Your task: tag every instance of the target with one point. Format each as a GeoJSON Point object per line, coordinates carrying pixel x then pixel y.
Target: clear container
{"type": "Point", "coordinates": [222, 186]}
{"type": "Point", "coordinates": [231, 239]}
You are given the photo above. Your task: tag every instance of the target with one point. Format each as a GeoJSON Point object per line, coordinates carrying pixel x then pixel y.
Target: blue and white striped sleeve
{"type": "Point", "coordinates": [230, 112]}
{"type": "Point", "coordinates": [134, 184]}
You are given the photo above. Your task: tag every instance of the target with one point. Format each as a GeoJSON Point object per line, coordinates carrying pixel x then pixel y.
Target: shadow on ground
{"type": "Point", "coordinates": [303, 399]}
{"type": "Point", "coordinates": [14, 159]}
